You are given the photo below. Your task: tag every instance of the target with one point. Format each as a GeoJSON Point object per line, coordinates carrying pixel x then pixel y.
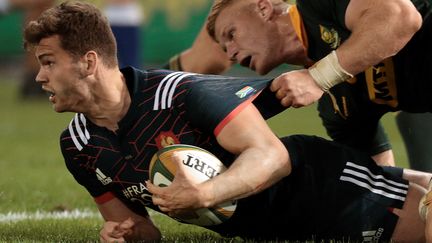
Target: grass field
{"type": "Point", "coordinates": [40, 201]}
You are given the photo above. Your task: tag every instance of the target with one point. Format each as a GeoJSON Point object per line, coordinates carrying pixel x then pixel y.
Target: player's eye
{"type": "Point", "coordinates": [231, 34]}
{"type": "Point", "coordinates": [47, 63]}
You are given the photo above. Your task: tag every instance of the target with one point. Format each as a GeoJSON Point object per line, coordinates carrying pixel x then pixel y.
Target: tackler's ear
{"type": "Point", "coordinates": [265, 9]}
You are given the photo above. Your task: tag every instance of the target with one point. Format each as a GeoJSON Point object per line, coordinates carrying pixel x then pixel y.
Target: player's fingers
{"type": "Point", "coordinates": [280, 94]}
{"type": "Point", "coordinates": [127, 224]}
{"type": "Point", "coordinates": [165, 209]}
{"type": "Point", "coordinates": [155, 190]}
{"type": "Point", "coordinates": [117, 232]}
{"type": "Point", "coordinates": [159, 201]}
{"type": "Point", "coordinates": [110, 234]}
{"type": "Point", "coordinates": [103, 236]}
{"type": "Point", "coordinates": [275, 85]}
{"type": "Point", "coordinates": [287, 101]}
{"type": "Point", "coordinates": [112, 240]}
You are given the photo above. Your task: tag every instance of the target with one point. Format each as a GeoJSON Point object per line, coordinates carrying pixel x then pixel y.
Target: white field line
{"type": "Point", "coordinates": [12, 217]}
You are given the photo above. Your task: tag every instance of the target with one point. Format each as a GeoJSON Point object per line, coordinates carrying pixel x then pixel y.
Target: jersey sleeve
{"type": "Point", "coordinates": [212, 101]}
{"type": "Point", "coordinates": [81, 172]}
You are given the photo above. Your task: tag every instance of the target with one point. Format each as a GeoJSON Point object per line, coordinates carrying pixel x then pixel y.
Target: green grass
{"type": "Point", "coordinates": [33, 176]}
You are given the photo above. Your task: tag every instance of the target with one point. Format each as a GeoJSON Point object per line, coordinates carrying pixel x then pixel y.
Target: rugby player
{"type": "Point", "coordinates": [341, 114]}
{"type": "Point", "coordinates": [292, 188]}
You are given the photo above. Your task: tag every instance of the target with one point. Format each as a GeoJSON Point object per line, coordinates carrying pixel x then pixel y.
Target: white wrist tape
{"type": "Point", "coordinates": [327, 72]}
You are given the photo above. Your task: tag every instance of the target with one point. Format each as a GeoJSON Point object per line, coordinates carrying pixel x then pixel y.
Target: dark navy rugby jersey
{"type": "Point", "coordinates": [166, 108]}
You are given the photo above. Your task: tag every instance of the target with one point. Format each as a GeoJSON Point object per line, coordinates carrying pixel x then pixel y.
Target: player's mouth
{"type": "Point", "coordinates": [246, 61]}
{"type": "Point", "coordinates": [51, 95]}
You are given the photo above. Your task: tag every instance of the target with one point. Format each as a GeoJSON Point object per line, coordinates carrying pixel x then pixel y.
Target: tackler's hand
{"type": "Point", "coordinates": [296, 89]}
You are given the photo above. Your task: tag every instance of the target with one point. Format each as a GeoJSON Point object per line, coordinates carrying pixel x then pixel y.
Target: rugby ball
{"type": "Point", "coordinates": [202, 165]}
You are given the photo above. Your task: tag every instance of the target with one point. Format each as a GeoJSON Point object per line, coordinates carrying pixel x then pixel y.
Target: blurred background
{"type": "Point", "coordinates": [167, 27]}
{"type": "Point", "coordinates": [33, 176]}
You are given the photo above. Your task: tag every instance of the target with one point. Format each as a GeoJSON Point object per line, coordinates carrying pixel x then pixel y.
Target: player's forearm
{"type": "Point", "coordinates": [210, 61]}
{"type": "Point", "coordinates": [205, 56]}
{"type": "Point", "coordinates": [253, 171]}
{"type": "Point", "coordinates": [379, 32]}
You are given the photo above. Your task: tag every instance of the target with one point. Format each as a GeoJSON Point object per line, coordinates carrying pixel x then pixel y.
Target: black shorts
{"type": "Point", "coordinates": [334, 192]}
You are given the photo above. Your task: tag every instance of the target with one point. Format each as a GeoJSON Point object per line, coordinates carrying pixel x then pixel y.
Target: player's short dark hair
{"type": "Point", "coordinates": [81, 27]}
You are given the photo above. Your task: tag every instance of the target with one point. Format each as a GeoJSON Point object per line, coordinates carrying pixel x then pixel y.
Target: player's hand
{"type": "Point", "coordinates": [296, 89]}
{"type": "Point", "coordinates": [116, 231]}
{"type": "Point", "coordinates": [179, 198]}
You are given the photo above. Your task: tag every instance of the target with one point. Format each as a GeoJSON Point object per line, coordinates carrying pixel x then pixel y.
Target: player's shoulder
{"type": "Point", "coordinates": [168, 76]}
{"type": "Point", "coordinates": [76, 135]}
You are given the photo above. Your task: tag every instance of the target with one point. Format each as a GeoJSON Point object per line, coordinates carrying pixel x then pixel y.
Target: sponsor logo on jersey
{"type": "Point", "coordinates": [166, 138]}
{"type": "Point", "coordinates": [105, 180]}
{"type": "Point", "coordinates": [245, 92]}
{"type": "Point", "coordinates": [330, 36]}
{"type": "Point", "coordinates": [372, 235]}
{"type": "Point", "coordinates": [381, 83]}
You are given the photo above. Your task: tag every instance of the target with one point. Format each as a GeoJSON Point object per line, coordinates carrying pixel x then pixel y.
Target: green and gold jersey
{"type": "Point", "coordinates": [351, 111]}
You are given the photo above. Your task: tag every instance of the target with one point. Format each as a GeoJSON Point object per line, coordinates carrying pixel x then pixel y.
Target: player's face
{"type": "Point", "coordinates": [60, 76]}
{"type": "Point", "coordinates": [248, 39]}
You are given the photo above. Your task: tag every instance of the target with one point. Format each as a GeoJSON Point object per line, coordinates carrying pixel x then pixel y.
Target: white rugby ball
{"type": "Point", "coordinates": [202, 165]}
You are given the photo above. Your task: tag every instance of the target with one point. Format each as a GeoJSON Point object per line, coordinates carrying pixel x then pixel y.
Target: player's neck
{"type": "Point", "coordinates": [295, 40]}
{"type": "Point", "coordinates": [111, 101]}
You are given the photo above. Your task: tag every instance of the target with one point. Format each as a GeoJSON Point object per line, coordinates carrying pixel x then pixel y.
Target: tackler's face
{"type": "Point", "coordinates": [248, 38]}
{"type": "Point", "coordinates": [60, 76]}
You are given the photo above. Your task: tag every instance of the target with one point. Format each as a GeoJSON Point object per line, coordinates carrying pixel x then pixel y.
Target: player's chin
{"type": "Point", "coordinates": [262, 69]}
{"type": "Point", "coordinates": [59, 109]}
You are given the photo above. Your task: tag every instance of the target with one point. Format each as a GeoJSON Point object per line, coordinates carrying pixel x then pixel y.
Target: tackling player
{"type": "Point", "coordinates": [294, 188]}
{"type": "Point", "coordinates": [341, 111]}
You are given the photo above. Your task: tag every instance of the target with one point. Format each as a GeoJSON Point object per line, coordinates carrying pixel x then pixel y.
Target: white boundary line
{"type": "Point", "coordinates": [12, 217]}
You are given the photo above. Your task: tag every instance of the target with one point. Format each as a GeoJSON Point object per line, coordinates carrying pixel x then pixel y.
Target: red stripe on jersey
{"type": "Point", "coordinates": [233, 114]}
{"type": "Point", "coordinates": [104, 198]}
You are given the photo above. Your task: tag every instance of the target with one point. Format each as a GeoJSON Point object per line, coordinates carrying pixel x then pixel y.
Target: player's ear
{"type": "Point", "coordinates": [89, 63]}
{"type": "Point", "coordinates": [265, 9]}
